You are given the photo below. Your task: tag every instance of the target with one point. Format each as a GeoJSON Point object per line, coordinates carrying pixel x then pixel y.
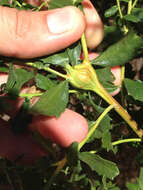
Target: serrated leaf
{"type": "Point", "coordinates": [101, 166]}
{"type": "Point", "coordinates": [111, 11]}
{"type": "Point", "coordinates": [16, 80]}
{"type": "Point", "coordinates": [43, 82]}
{"type": "Point", "coordinates": [131, 18]}
{"type": "Point", "coordinates": [74, 52]}
{"type": "Point", "coordinates": [134, 88]}
{"type": "Point", "coordinates": [59, 59]}
{"type": "Point", "coordinates": [140, 181]}
{"type": "Point", "coordinates": [135, 16]}
{"type": "Point", "coordinates": [120, 52]}
{"type": "Point", "coordinates": [72, 154]}
{"type": "Point", "coordinates": [53, 102]}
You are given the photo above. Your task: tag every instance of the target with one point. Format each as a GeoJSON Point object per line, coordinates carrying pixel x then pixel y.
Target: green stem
{"type": "Point", "coordinates": [95, 126]}
{"type": "Point", "coordinates": [119, 8]}
{"type": "Point", "coordinates": [126, 141]}
{"type": "Point", "coordinates": [47, 69]}
{"type": "Point", "coordinates": [121, 16]}
{"type": "Point", "coordinates": [42, 5]}
{"type": "Point", "coordinates": [122, 88]}
{"type": "Point", "coordinates": [120, 142]}
{"type": "Point", "coordinates": [129, 6]}
{"type": "Point", "coordinates": [30, 95]}
{"type": "Point", "coordinates": [118, 108]}
{"type": "Point", "coordinates": [84, 47]}
{"type": "Point", "coordinates": [134, 4]}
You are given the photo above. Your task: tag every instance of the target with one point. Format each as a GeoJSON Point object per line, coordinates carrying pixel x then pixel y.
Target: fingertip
{"type": "Point", "coordinates": [94, 27]}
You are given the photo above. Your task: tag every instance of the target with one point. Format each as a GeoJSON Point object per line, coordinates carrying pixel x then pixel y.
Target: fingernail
{"type": "Point", "coordinates": [61, 21]}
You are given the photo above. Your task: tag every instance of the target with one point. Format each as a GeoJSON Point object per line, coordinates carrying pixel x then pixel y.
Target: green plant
{"type": "Point", "coordinates": [88, 84]}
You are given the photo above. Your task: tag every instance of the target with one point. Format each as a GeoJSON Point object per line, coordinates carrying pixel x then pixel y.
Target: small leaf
{"type": "Point", "coordinates": [131, 18]}
{"type": "Point", "coordinates": [59, 59]}
{"type": "Point", "coordinates": [72, 154]}
{"type": "Point", "coordinates": [43, 82]}
{"type": "Point", "coordinates": [16, 79]}
{"type": "Point", "coordinates": [106, 141]}
{"type": "Point", "coordinates": [135, 16]}
{"type": "Point", "coordinates": [74, 52]}
{"type": "Point", "coordinates": [101, 166]}
{"type": "Point", "coordinates": [53, 102]}
{"type": "Point", "coordinates": [134, 88]}
{"type": "Point", "coordinates": [112, 11]}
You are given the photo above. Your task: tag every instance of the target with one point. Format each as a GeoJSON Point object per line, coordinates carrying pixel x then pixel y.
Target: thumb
{"type": "Point", "coordinates": [28, 34]}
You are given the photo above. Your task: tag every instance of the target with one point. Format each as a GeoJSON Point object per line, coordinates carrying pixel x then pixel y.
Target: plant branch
{"type": "Point", "coordinates": [126, 141]}
{"type": "Point", "coordinates": [92, 130]}
{"type": "Point", "coordinates": [84, 47]}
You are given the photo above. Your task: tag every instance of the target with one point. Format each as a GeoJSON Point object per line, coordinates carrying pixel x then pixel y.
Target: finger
{"type": "Point", "coordinates": [27, 34]}
{"type": "Point", "coordinates": [94, 27]}
{"type": "Point", "coordinates": [20, 146]}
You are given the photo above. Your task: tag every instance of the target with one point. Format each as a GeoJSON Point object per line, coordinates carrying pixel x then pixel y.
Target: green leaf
{"type": "Point", "coordinates": [112, 11]}
{"type": "Point", "coordinates": [101, 166]}
{"type": "Point", "coordinates": [59, 59]}
{"type": "Point", "coordinates": [43, 82]}
{"type": "Point", "coordinates": [132, 186]}
{"type": "Point", "coordinates": [72, 154]}
{"type": "Point", "coordinates": [16, 79]}
{"type": "Point", "coordinates": [74, 52]}
{"type": "Point", "coordinates": [135, 16]}
{"type": "Point", "coordinates": [106, 78]}
{"type": "Point", "coordinates": [131, 18]}
{"type": "Point", "coordinates": [140, 181]}
{"type": "Point", "coordinates": [53, 102]}
{"type": "Point", "coordinates": [134, 88]}
{"type": "Point", "coordinates": [106, 141]}
{"type": "Point", "coordinates": [120, 52]}
{"type": "Point", "coordinates": [58, 3]}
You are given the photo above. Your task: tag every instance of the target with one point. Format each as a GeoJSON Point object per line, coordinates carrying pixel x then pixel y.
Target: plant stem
{"type": "Point", "coordinates": [109, 108]}
{"type": "Point", "coordinates": [121, 16]}
{"type": "Point", "coordinates": [47, 69]}
{"type": "Point", "coordinates": [122, 88]}
{"type": "Point", "coordinates": [126, 141]}
{"type": "Point", "coordinates": [84, 47]}
{"type": "Point", "coordinates": [30, 95]}
{"type": "Point", "coordinates": [129, 6]}
{"type": "Point", "coordinates": [134, 4]}
{"type": "Point", "coordinates": [118, 108]}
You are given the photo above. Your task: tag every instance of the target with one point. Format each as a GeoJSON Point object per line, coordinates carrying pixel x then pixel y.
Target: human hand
{"type": "Point", "coordinates": [28, 34]}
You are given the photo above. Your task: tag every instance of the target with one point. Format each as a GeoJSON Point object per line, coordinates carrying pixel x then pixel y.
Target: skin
{"type": "Point", "coordinates": [66, 129]}
{"type": "Point", "coordinates": [20, 146]}
{"type": "Point", "coordinates": [46, 32]}
{"type": "Point", "coordinates": [69, 127]}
